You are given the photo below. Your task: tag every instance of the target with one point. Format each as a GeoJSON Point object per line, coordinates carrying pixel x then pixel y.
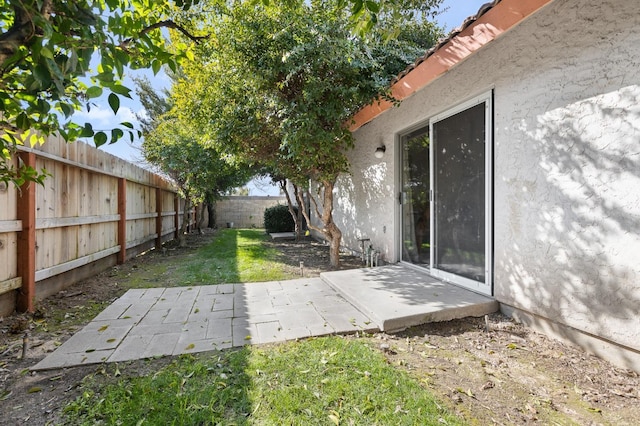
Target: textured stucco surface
{"type": "Point", "coordinates": [566, 165]}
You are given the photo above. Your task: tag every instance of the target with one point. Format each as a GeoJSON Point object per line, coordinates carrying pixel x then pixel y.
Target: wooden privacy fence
{"type": "Point", "coordinates": [95, 210]}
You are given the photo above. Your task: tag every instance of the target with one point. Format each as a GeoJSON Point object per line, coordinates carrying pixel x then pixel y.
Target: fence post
{"type": "Point", "coordinates": [122, 223]}
{"type": "Point", "coordinates": [26, 248]}
{"type": "Point", "coordinates": [176, 207]}
{"type": "Point", "coordinates": [159, 218]}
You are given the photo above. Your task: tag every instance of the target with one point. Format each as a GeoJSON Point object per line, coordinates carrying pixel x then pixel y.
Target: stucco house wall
{"type": "Point", "coordinates": [566, 108]}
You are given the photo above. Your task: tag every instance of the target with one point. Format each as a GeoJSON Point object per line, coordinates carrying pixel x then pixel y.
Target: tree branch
{"type": "Point", "coordinates": [310, 225]}
{"type": "Point", "coordinates": [19, 34]}
{"type": "Point", "coordinates": [167, 24]}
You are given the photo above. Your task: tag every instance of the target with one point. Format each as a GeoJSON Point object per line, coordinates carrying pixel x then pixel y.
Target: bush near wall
{"type": "Point", "coordinates": [278, 219]}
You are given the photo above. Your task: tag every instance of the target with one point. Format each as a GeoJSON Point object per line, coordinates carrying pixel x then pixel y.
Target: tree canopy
{"type": "Point", "coordinates": [274, 83]}
{"type": "Point", "coordinates": [179, 150]}
{"type": "Point", "coordinates": [46, 70]}
{"type": "Point", "coordinates": [277, 85]}
{"type": "Point", "coordinates": [58, 56]}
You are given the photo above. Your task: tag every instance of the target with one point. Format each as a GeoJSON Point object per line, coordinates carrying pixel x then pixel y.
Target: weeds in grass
{"type": "Point", "coordinates": [63, 320]}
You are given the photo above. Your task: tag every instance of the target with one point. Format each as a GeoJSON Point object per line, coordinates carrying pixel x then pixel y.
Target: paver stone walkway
{"type": "Point", "coordinates": [145, 323]}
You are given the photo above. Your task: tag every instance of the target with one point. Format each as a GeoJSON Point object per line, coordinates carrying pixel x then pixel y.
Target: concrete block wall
{"type": "Point", "coordinates": [245, 211]}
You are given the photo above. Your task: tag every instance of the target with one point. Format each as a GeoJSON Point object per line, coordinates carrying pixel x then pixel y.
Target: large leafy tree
{"type": "Point", "coordinates": [279, 86]}
{"type": "Point", "coordinates": [46, 70]}
{"type": "Point", "coordinates": [198, 169]}
{"type": "Point", "coordinates": [154, 103]}
{"type": "Point", "coordinates": [179, 150]}
{"type": "Point", "coordinates": [47, 48]}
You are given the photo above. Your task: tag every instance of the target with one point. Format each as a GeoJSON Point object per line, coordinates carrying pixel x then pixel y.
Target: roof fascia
{"type": "Point", "coordinates": [503, 16]}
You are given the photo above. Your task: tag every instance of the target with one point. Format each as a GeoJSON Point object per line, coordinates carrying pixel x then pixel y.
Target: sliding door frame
{"type": "Point", "coordinates": [485, 287]}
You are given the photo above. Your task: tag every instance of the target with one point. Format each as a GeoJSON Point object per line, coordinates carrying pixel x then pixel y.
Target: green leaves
{"type": "Point", "coordinates": [94, 92]}
{"type": "Point", "coordinates": [66, 109]}
{"type": "Point", "coordinates": [42, 78]}
{"type": "Point", "coordinates": [87, 131]}
{"type": "Point", "coordinates": [357, 7]}
{"type": "Point", "coordinates": [373, 7]}
{"type": "Point", "coordinates": [178, 148]}
{"type": "Point", "coordinates": [116, 134]}
{"type": "Point", "coordinates": [100, 139]}
{"type": "Point", "coordinates": [120, 90]}
{"type": "Point", "coordinates": [22, 121]}
{"type": "Point", "coordinates": [155, 66]}
{"type": "Point", "coordinates": [114, 102]}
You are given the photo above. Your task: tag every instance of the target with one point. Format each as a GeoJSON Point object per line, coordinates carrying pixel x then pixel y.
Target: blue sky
{"type": "Point", "coordinates": [101, 116]}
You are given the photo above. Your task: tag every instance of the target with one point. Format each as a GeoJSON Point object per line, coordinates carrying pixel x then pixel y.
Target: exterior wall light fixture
{"type": "Point", "coordinates": [380, 151]}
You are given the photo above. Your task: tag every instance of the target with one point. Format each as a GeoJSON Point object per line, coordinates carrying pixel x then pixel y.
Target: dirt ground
{"type": "Point", "coordinates": [506, 375]}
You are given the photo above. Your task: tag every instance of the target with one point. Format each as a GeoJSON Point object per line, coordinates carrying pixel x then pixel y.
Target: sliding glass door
{"type": "Point", "coordinates": [415, 208]}
{"type": "Point", "coordinates": [446, 195]}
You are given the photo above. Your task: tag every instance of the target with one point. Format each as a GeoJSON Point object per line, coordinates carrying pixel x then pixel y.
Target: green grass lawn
{"type": "Point", "coordinates": [319, 381]}
{"type": "Point", "coordinates": [234, 256]}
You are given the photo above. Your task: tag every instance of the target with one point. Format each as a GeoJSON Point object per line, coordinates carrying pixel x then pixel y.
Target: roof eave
{"type": "Point", "coordinates": [492, 20]}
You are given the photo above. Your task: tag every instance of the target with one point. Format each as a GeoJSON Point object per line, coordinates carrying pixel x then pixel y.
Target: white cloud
{"type": "Point", "coordinates": [103, 118]}
{"type": "Point", "coordinates": [143, 114]}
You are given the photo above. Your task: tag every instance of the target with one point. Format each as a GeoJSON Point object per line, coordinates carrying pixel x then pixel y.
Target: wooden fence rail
{"type": "Point", "coordinates": [95, 210]}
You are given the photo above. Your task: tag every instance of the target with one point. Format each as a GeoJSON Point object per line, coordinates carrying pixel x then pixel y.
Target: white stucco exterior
{"type": "Point", "coordinates": [566, 157]}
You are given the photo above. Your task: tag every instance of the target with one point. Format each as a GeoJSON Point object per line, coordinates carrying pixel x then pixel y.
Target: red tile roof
{"type": "Point", "coordinates": [491, 21]}
{"type": "Point", "coordinates": [443, 41]}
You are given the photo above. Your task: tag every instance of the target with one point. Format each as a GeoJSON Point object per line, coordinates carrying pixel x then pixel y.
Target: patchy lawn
{"type": "Point", "coordinates": [314, 381]}
{"type": "Point", "coordinates": [509, 375]}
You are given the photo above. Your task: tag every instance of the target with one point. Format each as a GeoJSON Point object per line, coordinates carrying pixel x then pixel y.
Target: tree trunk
{"type": "Point", "coordinates": [329, 229]}
{"type": "Point", "coordinates": [335, 237]}
{"type": "Point", "coordinates": [196, 219]}
{"type": "Point", "coordinates": [186, 218]}
{"type": "Point", "coordinates": [200, 217]}
{"type": "Point", "coordinates": [209, 204]}
{"type": "Point", "coordinates": [296, 216]}
{"type": "Point", "coordinates": [300, 227]}
{"type": "Point", "coordinates": [333, 232]}
{"type": "Point", "coordinates": [212, 214]}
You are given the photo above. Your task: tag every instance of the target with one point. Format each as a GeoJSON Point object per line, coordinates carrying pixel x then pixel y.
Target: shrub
{"type": "Point", "coordinates": [278, 219]}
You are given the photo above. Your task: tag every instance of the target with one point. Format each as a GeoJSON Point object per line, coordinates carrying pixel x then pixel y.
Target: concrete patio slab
{"type": "Point", "coordinates": [396, 297]}
{"type": "Point", "coordinates": [146, 323]}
